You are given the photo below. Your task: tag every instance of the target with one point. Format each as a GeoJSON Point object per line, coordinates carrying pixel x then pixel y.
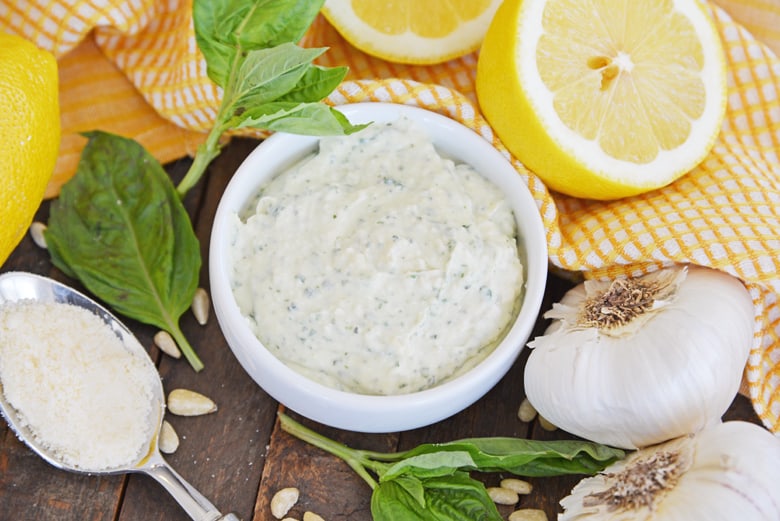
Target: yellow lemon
{"type": "Point", "coordinates": [604, 99]}
{"type": "Point", "coordinates": [412, 31]}
{"type": "Point", "coordinates": [29, 133]}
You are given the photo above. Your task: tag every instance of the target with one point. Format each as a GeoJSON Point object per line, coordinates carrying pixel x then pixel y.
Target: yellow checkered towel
{"type": "Point", "coordinates": [132, 67]}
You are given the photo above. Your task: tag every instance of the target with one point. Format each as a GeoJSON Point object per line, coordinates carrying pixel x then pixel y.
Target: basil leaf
{"type": "Point", "coordinates": [459, 498]}
{"type": "Point", "coordinates": [121, 229]}
{"type": "Point", "coordinates": [226, 28]}
{"type": "Point", "coordinates": [316, 84]}
{"type": "Point", "coordinates": [523, 457]}
{"type": "Point", "coordinates": [431, 464]}
{"type": "Point", "coordinates": [456, 497]}
{"type": "Point", "coordinates": [268, 74]}
{"type": "Point", "coordinates": [401, 499]}
{"type": "Point", "coordinates": [299, 118]}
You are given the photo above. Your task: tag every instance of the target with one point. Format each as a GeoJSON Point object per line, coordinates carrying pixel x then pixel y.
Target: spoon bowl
{"type": "Point", "coordinates": [19, 286]}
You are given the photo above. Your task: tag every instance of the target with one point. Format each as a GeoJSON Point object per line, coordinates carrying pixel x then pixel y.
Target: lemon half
{"type": "Point", "coordinates": [412, 31]}
{"type": "Point", "coordinates": [604, 99]}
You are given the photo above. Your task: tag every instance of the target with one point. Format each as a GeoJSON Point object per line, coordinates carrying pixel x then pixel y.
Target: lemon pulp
{"type": "Point", "coordinates": [409, 31]}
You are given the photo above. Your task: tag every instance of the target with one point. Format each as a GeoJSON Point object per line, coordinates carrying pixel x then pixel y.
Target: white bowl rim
{"type": "Point", "coordinates": [369, 413]}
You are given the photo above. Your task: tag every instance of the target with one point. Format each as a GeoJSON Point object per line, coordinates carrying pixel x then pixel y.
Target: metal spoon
{"type": "Point", "coordinates": [16, 286]}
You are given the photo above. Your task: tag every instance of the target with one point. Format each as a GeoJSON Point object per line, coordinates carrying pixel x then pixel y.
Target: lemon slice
{"type": "Point", "coordinates": [604, 99]}
{"type": "Point", "coordinates": [412, 31]}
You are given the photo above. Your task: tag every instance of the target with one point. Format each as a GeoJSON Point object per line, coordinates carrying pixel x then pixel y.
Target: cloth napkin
{"type": "Point", "coordinates": [132, 67]}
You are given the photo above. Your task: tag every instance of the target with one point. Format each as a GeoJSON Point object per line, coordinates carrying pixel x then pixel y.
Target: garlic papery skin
{"type": "Point", "coordinates": [727, 472]}
{"type": "Point", "coordinates": [635, 362]}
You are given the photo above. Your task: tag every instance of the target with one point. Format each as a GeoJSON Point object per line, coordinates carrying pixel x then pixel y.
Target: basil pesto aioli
{"type": "Point", "coordinates": [376, 266]}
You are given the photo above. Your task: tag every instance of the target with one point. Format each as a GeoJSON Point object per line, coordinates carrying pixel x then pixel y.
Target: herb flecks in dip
{"type": "Point", "coordinates": [377, 266]}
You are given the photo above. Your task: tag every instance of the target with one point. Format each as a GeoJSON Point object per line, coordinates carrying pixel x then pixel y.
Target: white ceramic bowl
{"type": "Point", "coordinates": [363, 412]}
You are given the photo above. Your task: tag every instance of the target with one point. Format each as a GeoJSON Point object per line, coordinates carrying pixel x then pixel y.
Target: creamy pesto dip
{"type": "Point", "coordinates": [377, 266]}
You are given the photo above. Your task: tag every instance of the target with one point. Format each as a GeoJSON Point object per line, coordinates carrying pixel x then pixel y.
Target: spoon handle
{"type": "Point", "coordinates": [193, 502]}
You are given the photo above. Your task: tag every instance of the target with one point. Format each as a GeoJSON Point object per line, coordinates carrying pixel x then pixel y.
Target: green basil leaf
{"type": "Point", "coordinates": [524, 457]}
{"type": "Point", "coordinates": [316, 84]}
{"type": "Point", "coordinates": [267, 74]}
{"type": "Point", "coordinates": [430, 464]}
{"type": "Point", "coordinates": [455, 497]}
{"type": "Point", "coordinates": [298, 118]}
{"type": "Point", "coordinates": [121, 229]}
{"type": "Point", "coordinates": [402, 499]}
{"type": "Point", "coordinates": [459, 498]}
{"type": "Point", "coordinates": [224, 29]}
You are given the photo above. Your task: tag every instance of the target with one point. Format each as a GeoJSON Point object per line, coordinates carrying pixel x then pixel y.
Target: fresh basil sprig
{"type": "Point", "coordinates": [124, 233]}
{"type": "Point", "coordinates": [268, 82]}
{"type": "Point", "coordinates": [119, 226]}
{"type": "Point", "coordinates": [431, 482]}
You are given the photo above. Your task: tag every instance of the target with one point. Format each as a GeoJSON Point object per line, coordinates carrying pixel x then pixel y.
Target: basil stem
{"type": "Point", "coordinates": [358, 460]}
{"type": "Point", "coordinates": [205, 154]}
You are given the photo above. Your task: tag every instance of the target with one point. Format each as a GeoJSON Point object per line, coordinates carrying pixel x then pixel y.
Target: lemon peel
{"type": "Point", "coordinates": [29, 133]}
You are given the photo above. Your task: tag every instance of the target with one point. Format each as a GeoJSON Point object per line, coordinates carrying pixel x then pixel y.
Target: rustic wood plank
{"type": "Point", "coordinates": [32, 489]}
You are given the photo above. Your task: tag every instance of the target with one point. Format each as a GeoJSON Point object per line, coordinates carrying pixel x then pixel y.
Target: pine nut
{"type": "Point", "coordinates": [200, 306]}
{"type": "Point", "coordinates": [167, 344]}
{"type": "Point", "coordinates": [527, 514]}
{"type": "Point", "coordinates": [526, 412]}
{"type": "Point", "coordinates": [545, 424]}
{"type": "Point", "coordinates": [169, 440]}
{"type": "Point", "coordinates": [184, 402]}
{"type": "Point", "coordinates": [517, 485]}
{"type": "Point", "coordinates": [283, 501]}
{"type": "Point", "coordinates": [311, 516]}
{"type": "Point", "coordinates": [37, 230]}
{"type": "Point", "coordinates": [503, 496]}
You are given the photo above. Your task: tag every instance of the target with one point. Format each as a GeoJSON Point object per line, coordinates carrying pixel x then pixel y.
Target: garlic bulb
{"type": "Point", "coordinates": [634, 362]}
{"type": "Point", "coordinates": [729, 471]}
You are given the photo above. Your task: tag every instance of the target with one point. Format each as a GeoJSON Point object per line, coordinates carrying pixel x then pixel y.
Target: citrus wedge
{"type": "Point", "coordinates": [604, 99]}
{"type": "Point", "coordinates": [411, 31]}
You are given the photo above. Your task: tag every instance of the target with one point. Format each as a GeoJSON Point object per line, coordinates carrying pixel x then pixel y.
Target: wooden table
{"type": "Point", "coordinates": [238, 457]}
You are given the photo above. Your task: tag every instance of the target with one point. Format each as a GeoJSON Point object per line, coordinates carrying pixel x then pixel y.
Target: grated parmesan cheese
{"type": "Point", "coordinates": [85, 396]}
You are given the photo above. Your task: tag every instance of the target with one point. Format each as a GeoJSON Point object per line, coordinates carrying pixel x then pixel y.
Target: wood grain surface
{"type": "Point", "coordinates": [238, 457]}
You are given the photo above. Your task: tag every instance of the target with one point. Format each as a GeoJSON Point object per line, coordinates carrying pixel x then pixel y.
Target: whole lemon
{"type": "Point", "coordinates": [29, 133]}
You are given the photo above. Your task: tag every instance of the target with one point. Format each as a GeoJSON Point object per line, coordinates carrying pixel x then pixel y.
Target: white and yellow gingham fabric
{"type": "Point", "coordinates": [132, 67]}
